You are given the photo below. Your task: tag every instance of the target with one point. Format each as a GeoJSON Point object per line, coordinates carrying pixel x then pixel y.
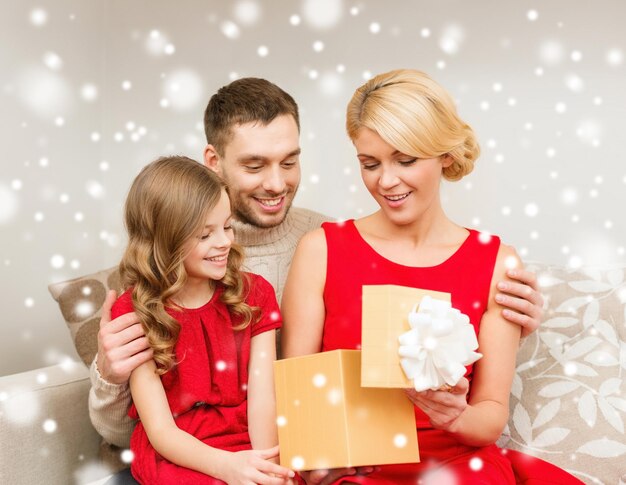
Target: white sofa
{"type": "Point", "coordinates": [568, 402]}
{"type": "Point", "coordinates": [45, 432]}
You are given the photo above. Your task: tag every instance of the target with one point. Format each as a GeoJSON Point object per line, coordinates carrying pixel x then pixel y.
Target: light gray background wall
{"type": "Point", "coordinates": [93, 90]}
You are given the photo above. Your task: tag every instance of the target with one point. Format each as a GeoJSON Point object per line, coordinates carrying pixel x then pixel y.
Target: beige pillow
{"type": "Point", "coordinates": [80, 301]}
{"type": "Point", "coordinates": [568, 403]}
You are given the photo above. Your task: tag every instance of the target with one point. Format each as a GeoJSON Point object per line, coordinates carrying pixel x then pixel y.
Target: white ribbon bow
{"type": "Point", "coordinates": [439, 345]}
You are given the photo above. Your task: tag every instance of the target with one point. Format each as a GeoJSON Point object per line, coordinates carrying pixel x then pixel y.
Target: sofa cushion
{"type": "Point", "coordinates": [80, 301]}
{"type": "Point", "coordinates": [568, 402]}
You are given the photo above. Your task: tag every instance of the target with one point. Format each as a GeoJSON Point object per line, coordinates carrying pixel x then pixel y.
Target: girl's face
{"type": "Point", "coordinates": [207, 253]}
{"type": "Point", "coordinates": [405, 187]}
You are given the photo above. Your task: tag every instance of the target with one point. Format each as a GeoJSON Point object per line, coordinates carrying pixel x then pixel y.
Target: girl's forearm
{"type": "Point", "coordinates": [262, 425]}
{"type": "Point", "coordinates": [183, 449]}
{"type": "Point", "coordinates": [261, 398]}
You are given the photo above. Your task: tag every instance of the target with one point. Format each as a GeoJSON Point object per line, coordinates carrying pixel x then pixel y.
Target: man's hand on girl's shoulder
{"type": "Point", "coordinates": [122, 344]}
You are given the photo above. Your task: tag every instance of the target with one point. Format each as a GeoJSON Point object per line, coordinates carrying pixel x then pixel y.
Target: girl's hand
{"type": "Point", "coordinates": [442, 407]}
{"type": "Point", "coordinates": [253, 467]}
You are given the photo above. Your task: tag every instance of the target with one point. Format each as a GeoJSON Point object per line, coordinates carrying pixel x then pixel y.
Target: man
{"type": "Point", "coordinates": [252, 128]}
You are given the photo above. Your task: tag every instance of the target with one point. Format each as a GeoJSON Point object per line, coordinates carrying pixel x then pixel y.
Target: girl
{"type": "Point", "coordinates": [206, 401]}
{"type": "Point", "coordinates": [408, 136]}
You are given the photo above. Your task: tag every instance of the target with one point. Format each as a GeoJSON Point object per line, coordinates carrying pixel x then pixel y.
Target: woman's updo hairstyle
{"type": "Point", "coordinates": [416, 116]}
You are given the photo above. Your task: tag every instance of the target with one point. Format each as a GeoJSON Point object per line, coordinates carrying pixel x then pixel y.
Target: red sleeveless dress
{"type": "Point", "coordinates": [466, 275]}
{"type": "Point", "coordinates": [206, 390]}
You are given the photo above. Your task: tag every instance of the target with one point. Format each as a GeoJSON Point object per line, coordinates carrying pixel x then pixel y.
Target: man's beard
{"type": "Point", "coordinates": [244, 213]}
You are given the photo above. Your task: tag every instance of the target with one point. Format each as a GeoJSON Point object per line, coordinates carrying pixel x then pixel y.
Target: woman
{"type": "Point", "coordinates": [408, 136]}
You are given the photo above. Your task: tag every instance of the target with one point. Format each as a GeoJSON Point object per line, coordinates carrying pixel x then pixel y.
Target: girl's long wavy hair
{"type": "Point", "coordinates": [166, 207]}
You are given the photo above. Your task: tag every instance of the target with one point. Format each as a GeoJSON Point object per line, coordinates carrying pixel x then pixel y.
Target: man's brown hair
{"type": "Point", "coordinates": [245, 100]}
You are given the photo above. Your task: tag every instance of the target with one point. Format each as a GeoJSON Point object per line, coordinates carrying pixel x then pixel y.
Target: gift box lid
{"type": "Point", "coordinates": [385, 311]}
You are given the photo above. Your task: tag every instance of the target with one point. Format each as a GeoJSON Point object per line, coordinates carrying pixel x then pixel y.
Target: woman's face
{"type": "Point", "coordinates": [405, 187]}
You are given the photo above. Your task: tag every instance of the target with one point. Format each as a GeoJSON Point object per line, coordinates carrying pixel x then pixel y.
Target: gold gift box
{"type": "Point", "coordinates": [327, 420]}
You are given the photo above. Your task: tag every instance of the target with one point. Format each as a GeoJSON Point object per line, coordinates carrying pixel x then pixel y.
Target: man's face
{"type": "Point", "coordinates": [261, 165]}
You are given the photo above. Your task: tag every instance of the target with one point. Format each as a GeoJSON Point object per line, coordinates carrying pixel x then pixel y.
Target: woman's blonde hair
{"type": "Point", "coordinates": [167, 205]}
{"type": "Point", "coordinates": [416, 116]}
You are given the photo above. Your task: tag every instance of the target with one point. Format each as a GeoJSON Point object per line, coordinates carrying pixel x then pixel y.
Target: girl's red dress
{"type": "Point", "coordinates": [466, 275]}
{"type": "Point", "coordinates": [206, 390]}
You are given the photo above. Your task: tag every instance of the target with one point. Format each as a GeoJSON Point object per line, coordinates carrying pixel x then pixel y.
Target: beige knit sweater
{"type": "Point", "coordinates": [268, 253]}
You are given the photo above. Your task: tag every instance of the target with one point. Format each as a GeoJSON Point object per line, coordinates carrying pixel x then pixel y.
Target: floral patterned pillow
{"type": "Point", "coordinates": [568, 402]}
{"type": "Point", "coordinates": [80, 301]}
